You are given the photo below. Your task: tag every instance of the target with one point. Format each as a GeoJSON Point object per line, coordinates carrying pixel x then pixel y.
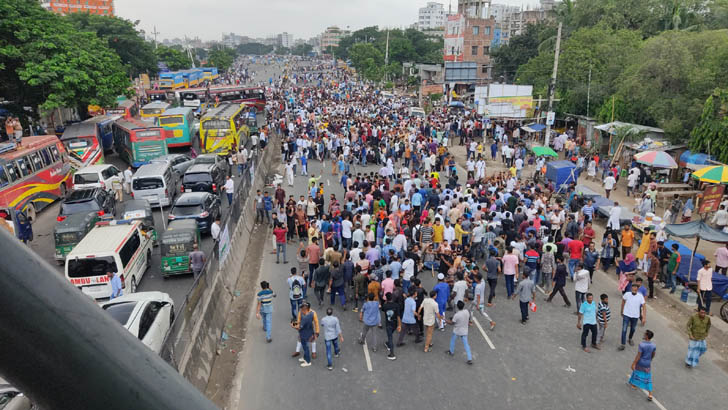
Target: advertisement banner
{"type": "Point", "coordinates": [711, 198]}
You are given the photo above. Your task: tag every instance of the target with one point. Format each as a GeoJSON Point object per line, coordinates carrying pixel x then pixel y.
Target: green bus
{"type": "Point", "coordinates": [138, 143]}
{"type": "Point", "coordinates": [176, 244]}
{"type": "Point", "coordinates": [179, 124]}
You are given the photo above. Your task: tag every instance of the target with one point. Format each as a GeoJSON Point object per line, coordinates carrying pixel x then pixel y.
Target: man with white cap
{"type": "Point", "coordinates": [443, 294]}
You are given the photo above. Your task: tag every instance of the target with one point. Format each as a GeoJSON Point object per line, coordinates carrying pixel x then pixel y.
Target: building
{"type": "Point", "coordinates": [284, 40]}
{"type": "Point", "coordinates": [431, 16]}
{"type": "Point", "coordinates": [512, 20]}
{"type": "Point", "coordinates": [500, 11]}
{"type": "Point", "coordinates": [232, 39]}
{"type": "Point", "coordinates": [102, 7]}
{"type": "Point", "coordinates": [331, 37]}
{"type": "Point", "coordinates": [468, 38]}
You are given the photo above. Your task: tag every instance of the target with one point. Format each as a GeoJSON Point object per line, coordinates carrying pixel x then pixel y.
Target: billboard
{"type": "Point", "coordinates": [454, 38]}
{"type": "Point", "coordinates": [505, 100]}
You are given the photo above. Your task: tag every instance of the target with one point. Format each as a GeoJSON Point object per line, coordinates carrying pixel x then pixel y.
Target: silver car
{"type": "Point", "coordinates": [179, 162]}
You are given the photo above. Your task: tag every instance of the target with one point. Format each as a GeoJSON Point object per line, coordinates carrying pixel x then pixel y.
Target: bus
{"type": "Point", "coordinates": [125, 109]}
{"type": "Point", "coordinates": [138, 143]}
{"type": "Point", "coordinates": [87, 141]}
{"type": "Point", "coordinates": [172, 81]}
{"type": "Point", "coordinates": [210, 73]}
{"type": "Point", "coordinates": [178, 123]}
{"type": "Point", "coordinates": [153, 110]}
{"type": "Point", "coordinates": [254, 96]}
{"type": "Point", "coordinates": [33, 175]}
{"type": "Point", "coordinates": [193, 98]}
{"type": "Point", "coordinates": [223, 127]}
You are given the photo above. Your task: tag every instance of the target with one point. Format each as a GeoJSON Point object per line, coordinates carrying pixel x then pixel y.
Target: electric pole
{"type": "Point", "coordinates": [154, 33]}
{"type": "Point", "coordinates": [552, 85]}
{"type": "Point", "coordinates": [588, 92]}
{"type": "Point", "coordinates": [386, 57]}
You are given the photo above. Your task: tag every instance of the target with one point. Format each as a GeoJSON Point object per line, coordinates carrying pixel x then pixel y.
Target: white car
{"type": "Point", "coordinates": [97, 176]}
{"type": "Point", "coordinates": [147, 315]}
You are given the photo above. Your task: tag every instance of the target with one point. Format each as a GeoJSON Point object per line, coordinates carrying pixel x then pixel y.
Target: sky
{"type": "Point", "coordinates": [208, 19]}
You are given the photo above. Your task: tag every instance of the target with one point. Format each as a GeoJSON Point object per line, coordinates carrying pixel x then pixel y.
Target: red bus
{"type": "Point", "coordinates": [33, 175]}
{"type": "Point", "coordinates": [138, 142]}
{"type": "Point", "coordinates": [126, 109]}
{"type": "Point", "coordinates": [254, 96]}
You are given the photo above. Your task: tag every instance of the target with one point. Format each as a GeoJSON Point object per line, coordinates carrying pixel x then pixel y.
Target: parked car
{"type": "Point", "coordinates": [146, 315]}
{"type": "Point", "coordinates": [97, 176]}
{"type": "Point", "coordinates": [88, 200]}
{"type": "Point", "coordinates": [70, 231]}
{"type": "Point", "coordinates": [203, 207]}
{"type": "Point", "coordinates": [212, 159]}
{"type": "Point", "coordinates": [203, 178]}
{"type": "Point", "coordinates": [179, 162]}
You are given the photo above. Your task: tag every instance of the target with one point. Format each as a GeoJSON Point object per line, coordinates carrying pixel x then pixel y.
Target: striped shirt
{"type": "Point", "coordinates": [265, 297]}
{"type": "Point", "coordinates": [588, 211]}
{"type": "Point", "coordinates": [603, 310]}
{"type": "Point", "coordinates": [427, 232]}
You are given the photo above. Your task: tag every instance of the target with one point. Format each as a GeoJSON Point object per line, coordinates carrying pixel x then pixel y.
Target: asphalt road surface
{"type": "Point", "coordinates": [538, 365]}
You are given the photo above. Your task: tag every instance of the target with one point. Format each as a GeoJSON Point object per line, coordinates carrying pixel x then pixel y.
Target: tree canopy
{"type": "Point", "coordinates": [711, 131]}
{"type": "Point", "coordinates": [173, 58]}
{"type": "Point", "coordinates": [221, 57]}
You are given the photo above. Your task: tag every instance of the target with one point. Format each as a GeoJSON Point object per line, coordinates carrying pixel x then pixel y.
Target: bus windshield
{"type": "Point", "coordinates": [96, 266]}
{"type": "Point", "coordinates": [176, 120]}
{"type": "Point", "coordinates": [151, 111]}
{"type": "Point", "coordinates": [216, 125]}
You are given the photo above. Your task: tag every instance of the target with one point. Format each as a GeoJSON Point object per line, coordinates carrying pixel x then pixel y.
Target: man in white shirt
{"type": "Point", "coordinates": [448, 234]}
{"type": "Point", "coordinates": [720, 219]}
{"type": "Point", "coordinates": [633, 308]}
{"type": "Point", "coordinates": [614, 213]}
{"type": "Point", "coordinates": [705, 286]}
{"type": "Point", "coordinates": [346, 233]}
{"type": "Point", "coordinates": [519, 167]}
{"type": "Point", "coordinates": [609, 183]}
{"type": "Point", "coordinates": [215, 230]}
{"type": "Point", "coordinates": [127, 179]}
{"type": "Point", "coordinates": [632, 181]}
{"type": "Point", "coordinates": [229, 189]}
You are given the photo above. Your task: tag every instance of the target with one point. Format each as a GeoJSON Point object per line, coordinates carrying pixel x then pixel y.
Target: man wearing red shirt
{"type": "Point", "coordinates": [576, 250]}
{"type": "Point", "coordinates": [280, 233]}
{"type": "Point", "coordinates": [588, 234]}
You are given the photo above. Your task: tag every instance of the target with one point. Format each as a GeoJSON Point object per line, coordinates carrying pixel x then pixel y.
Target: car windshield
{"type": "Point", "coordinates": [196, 177]}
{"type": "Point", "coordinates": [78, 207]}
{"type": "Point", "coordinates": [96, 266]}
{"type": "Point", "coordinates": [91, 178]}
{"type": "Point", "coordinates": [148, 183]}
{"type": "Point", "coordinates": [121, 311]}
{"type": "Point", "coordinates": [66, 238]}
{"type": "Point", "coordinates": [186, 210]}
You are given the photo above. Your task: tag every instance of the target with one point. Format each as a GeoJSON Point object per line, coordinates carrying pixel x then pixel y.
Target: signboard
{"type": "Point", "coordinates": [508, 100]}
{"type": "Point", "coordinates": [550, 117]}
{"type": "Point", "coordinates": [711, 198]}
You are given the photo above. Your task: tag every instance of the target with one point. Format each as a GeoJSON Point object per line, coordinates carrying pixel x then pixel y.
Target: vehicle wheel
{"type": "Point", "coordinates": [63, 191]}
{"type": "Point", "coordinates": [133, 285]}
{"type": "Point", "coordinates": [30, 212]}
{"type": "Point", "coordinates": [724, 311]}
{"type": "Point", "coordinates": [149, 259]}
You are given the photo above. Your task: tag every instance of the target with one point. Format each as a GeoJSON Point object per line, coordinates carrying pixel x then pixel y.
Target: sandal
{"type": "Point", "coordinates": [649, 398]}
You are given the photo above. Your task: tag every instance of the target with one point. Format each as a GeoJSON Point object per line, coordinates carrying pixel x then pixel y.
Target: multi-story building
{"type": "Point", "coordinates": [103, 7]}
{"type": "Point", "coordinates": [469, 36]}
{"type": "Point", "coordinates": [331, 37]}
{"type": "Point", "coordinates": [284, 40]}
{"type": "Point", "coordinates": [431, 16]}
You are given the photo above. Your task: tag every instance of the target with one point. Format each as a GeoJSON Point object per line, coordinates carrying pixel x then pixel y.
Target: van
{"type": "Point", "coordinates": [416, 112]}
{"type": "Point", "coordinates": [156, 182]}
{"type": "Point", "coordinates": [111, 246]}
{"type": "Point", "coordinates": [97, 176]}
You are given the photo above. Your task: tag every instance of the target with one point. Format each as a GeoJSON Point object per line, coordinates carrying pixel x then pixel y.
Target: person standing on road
{"type": "Point", "coordinates": [493, 267]}
{"type": "Point", "coordinates": [392, 321]}
{"type": "Point", "coordinates": [642, 365]}
{"type": "Point", "coordinates": [460, 322]}
{"type": "Point", "coordinates": [296, 285]}
{"type": "Point", "coordinates": [128, 174]}
{"type": "Point", "coordinates": [316, 328]}
{"type": "Point", "coordinates": [264, 310]}
{"type": "Point", "coordinates": [313, 253]}
{"type": "Point", "coordinates": [197, 260]}
{"type": "Point", "coordinates": [369, 315]}
{"type": "Point", "coordinates": [229, 189]}
{"type": "Point", "coordinates": [409, 318]}
{"type": "Point", "coordinates": [526, 292]}
{"type": "Point", "coordinates": [337, 284]}
{"type": "Point", "coordinates": [478, 302]}
{"type": "Point", "coordinates": [443, 294]}
{"type": "Point", "coordinates": [510, 269]}
{"type": "Point", "coordinates": [588, 320]}
{"type": "Point", "coordinates": [633, 308]}
{"type": "Point", "coordinates": [332, 336]}
{"type": "Point", "coordinates": [429, 311]}
{"type": "Point", "coordinates": [559, 280]}
{"type": "Point", "coordinates": [116, 287]}
{"type": "Point", "coordinates": [604, 314]}
{"type": "Point", "coordinates": [215, 230]}
{"type": "Point", "coordinates": [705, 286]}
{"type": "Point", "coordinates": [280, 236]}
{"type": "Point", "coordinates": [698, 328]}
{"type": "Point", "coordinates": [581, 285]}
{"type": "Point", "coordinates": [321, 278]}
{"type": "Point", "coordinates": [305, 327]}
{"type": "Point", "coordinates": [609, 183]}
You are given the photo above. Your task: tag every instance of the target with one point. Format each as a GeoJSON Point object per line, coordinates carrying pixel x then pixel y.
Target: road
{"type": "Point", "coordinates": [178, 286]}
{"type": "Point", "coordinates": [538, 365]}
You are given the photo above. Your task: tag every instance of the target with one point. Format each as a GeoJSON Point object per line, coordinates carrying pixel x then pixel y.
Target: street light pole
{"type": "Point", "coordinates": [552, 84]}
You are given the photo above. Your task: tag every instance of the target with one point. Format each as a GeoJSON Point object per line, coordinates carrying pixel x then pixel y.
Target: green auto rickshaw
{"type": "Point", "coordinates": [141, 210]}
{"type": "Point", "coordinates": [69, 232]}
{"type": "Point", "coordinates": [176, 243]}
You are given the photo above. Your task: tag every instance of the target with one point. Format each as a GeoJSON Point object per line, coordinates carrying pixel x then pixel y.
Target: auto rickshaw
{"type": "Point", "coordinates": [176, 243]}
{"type": "Point", "coordinates": [140, 209]}
{"type": "Point", "coordinates": [69, 232]}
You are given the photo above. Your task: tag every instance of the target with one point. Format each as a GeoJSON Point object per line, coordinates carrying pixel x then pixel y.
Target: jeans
{"type": "Point", "coordinates": [509, 284]}
{"type": "Point", "coordinates": [524, 310]}
{"type": "Point", "coordinates": [342, 294]}
{"type": "Point", "coordinates": [280, 248]}
{"type": "Point", "coordinates": [704, 299]}
{"type": "Point", "coordinates": [601, 329]}
{"type": "Point", "coordinates": [319, 292]}
{"type": "Point", "coordinates": [406, 327]}
{"type": "Point", "coordinates": [491, 285]}
{"type": "Point", "coordinates": [572, 265]}
{"type": "Point", "coordinates": [559, 289]}
{"type": "Point", "coordinates": [311, 267]}
{"type": "Point", "coordinates": [671, 282]}
{"type": "Point", "coordinates": [390, 338]}
{"type": "Point", "coordinates": [630, 322]}
{"type": "Point", "coordinates": [405, 286]}
{"type": "Point", "coordinates": [229, 197]}
{"type": "Point", "coordinates": [545, 280]}
{"type": "Point", "coordinates": [585, 331]}
{"type": "Point", "coordinates": [266, 317]}
{"type": "Point", "coordinates": [464, 338]}
{"type": "Point", "coordinates": [329, 343]}
{"type": "Point", "coordinates": [580, 297]}
{"type": "Point", "coordinates": [295, 305]}
{"type": "Point", "coordinates": [306, 351]}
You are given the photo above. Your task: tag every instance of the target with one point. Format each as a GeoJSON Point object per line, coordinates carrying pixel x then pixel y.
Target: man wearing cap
{"type": "Point", "coordinates": [443, 294]}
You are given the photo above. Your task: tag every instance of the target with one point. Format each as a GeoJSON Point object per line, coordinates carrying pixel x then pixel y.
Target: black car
{"type": "Point", "coordinates": [87, 200]}
{"type": "Point", "coordinates": [212, 159]}
{"type": "Point", "coordinates": [204, 207]}
{"type": "Point", "coordinates": [203, 178]}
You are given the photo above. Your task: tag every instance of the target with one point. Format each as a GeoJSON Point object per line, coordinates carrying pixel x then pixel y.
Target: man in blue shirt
{"type": "Point", "coordinates": [115, 285]}
{"type": "Point", "coordinates": [369, 315]}
{"type": "Point", "coordinates": [588, 317]}
{"type": "Point", "coordinates": [443, 293]}
{"type": "Point", "coordinates": [409, 318]}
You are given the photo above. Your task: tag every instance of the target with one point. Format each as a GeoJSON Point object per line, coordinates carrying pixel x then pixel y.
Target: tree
{"type": "Point", "coordinates": [711, 132]}
{"type": "Point", "coordinates": [221, 57]}
{"type": "Point", "coordinates": [520, 49]}
{"type": "Point", "coordinates": [253, 48]}
{"type": "Point", "coordinates": [123, 37]}
{"type": "Point", "coordinates": [45, 61]}
{"type": "Point", "coordinates": [367, 60]}
{"type": "Point", "coordinates": [302, 49]}
{"type": "Point", "coordinates": [173, 58]}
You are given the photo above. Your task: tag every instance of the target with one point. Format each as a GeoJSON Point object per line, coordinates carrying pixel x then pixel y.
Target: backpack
{"type": "Point", "coordinates": [296, 289]}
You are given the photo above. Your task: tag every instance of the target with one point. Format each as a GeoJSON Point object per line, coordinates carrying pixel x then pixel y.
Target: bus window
{"type": "Point", "coordinates": [4, 181]}
{"type": "Point", "coordinates": [37, 161]}
{"type": "Point", "coordinates": [129, 248]}
{"type": "Point", "coordinates": [46, 157]}
{"type": "Point", "coordinates": [24, 166]}
{"type": "Point", "coordinates": [54, 153]}
{"type": "Point", "coordinates": [13, 173]}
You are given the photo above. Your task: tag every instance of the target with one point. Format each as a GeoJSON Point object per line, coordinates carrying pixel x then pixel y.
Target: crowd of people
{"type": "Point", "coordinates": [372, 238]}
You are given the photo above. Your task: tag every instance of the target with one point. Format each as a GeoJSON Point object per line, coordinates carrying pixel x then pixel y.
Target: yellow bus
{"type": "Point", "coordinates": [153, 110]}
{"type": "Point", "coordinates": [223, 127]}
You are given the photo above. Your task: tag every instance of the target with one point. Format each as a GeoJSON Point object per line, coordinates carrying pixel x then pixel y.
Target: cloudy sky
{"type": "Point", "coordinates": [208, 19]}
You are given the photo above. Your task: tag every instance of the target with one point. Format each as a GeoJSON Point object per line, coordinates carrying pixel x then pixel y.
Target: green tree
{"type": "Point", "coordinates": [221, 57]}
{"type": "Point", "coordinates": [253, 49]}
{"type": "Point", "coordinates": [711, 131]}
{"type": "Point", "coordinates": [174, 59]}
{"type": "Point", "coordinates": [520, 49]}
{"type": "Point", "coordinates": [303, 49]}
{"type": "Point", "coordinates": [123, 37]}
{"type": "Point", "coordinates": [45, 61]}
{"type": "Point", "coordinates": [367, 60]}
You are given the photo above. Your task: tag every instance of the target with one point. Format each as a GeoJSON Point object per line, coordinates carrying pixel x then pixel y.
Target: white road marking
{"type": "Point", "coordinates": [482, 332]}
{"type": "Point", "coordinates": [541, 289]}
{"type": "Point", "coordinates": [654, 400]}
{"type": "Point", "coordinates": [366, 356]}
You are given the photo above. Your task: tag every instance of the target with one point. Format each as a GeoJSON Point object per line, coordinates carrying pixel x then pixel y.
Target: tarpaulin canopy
{"type": "Point", "coordinates": [535, 127]}
{"type": "Point", "coordinates": [697, 229]}
{"type": "Point", "coordinates": [585, 191]}
{"type": "Point", "coordinates": [689, 157]}
{"type": "Point", "coordinates": [688, 274]}
{"type": "Point", "coordinates": [561, 172]}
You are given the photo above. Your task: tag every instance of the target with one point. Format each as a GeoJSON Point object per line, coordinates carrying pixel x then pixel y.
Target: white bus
{"type": "Point", "coordinates": [111, 246]}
